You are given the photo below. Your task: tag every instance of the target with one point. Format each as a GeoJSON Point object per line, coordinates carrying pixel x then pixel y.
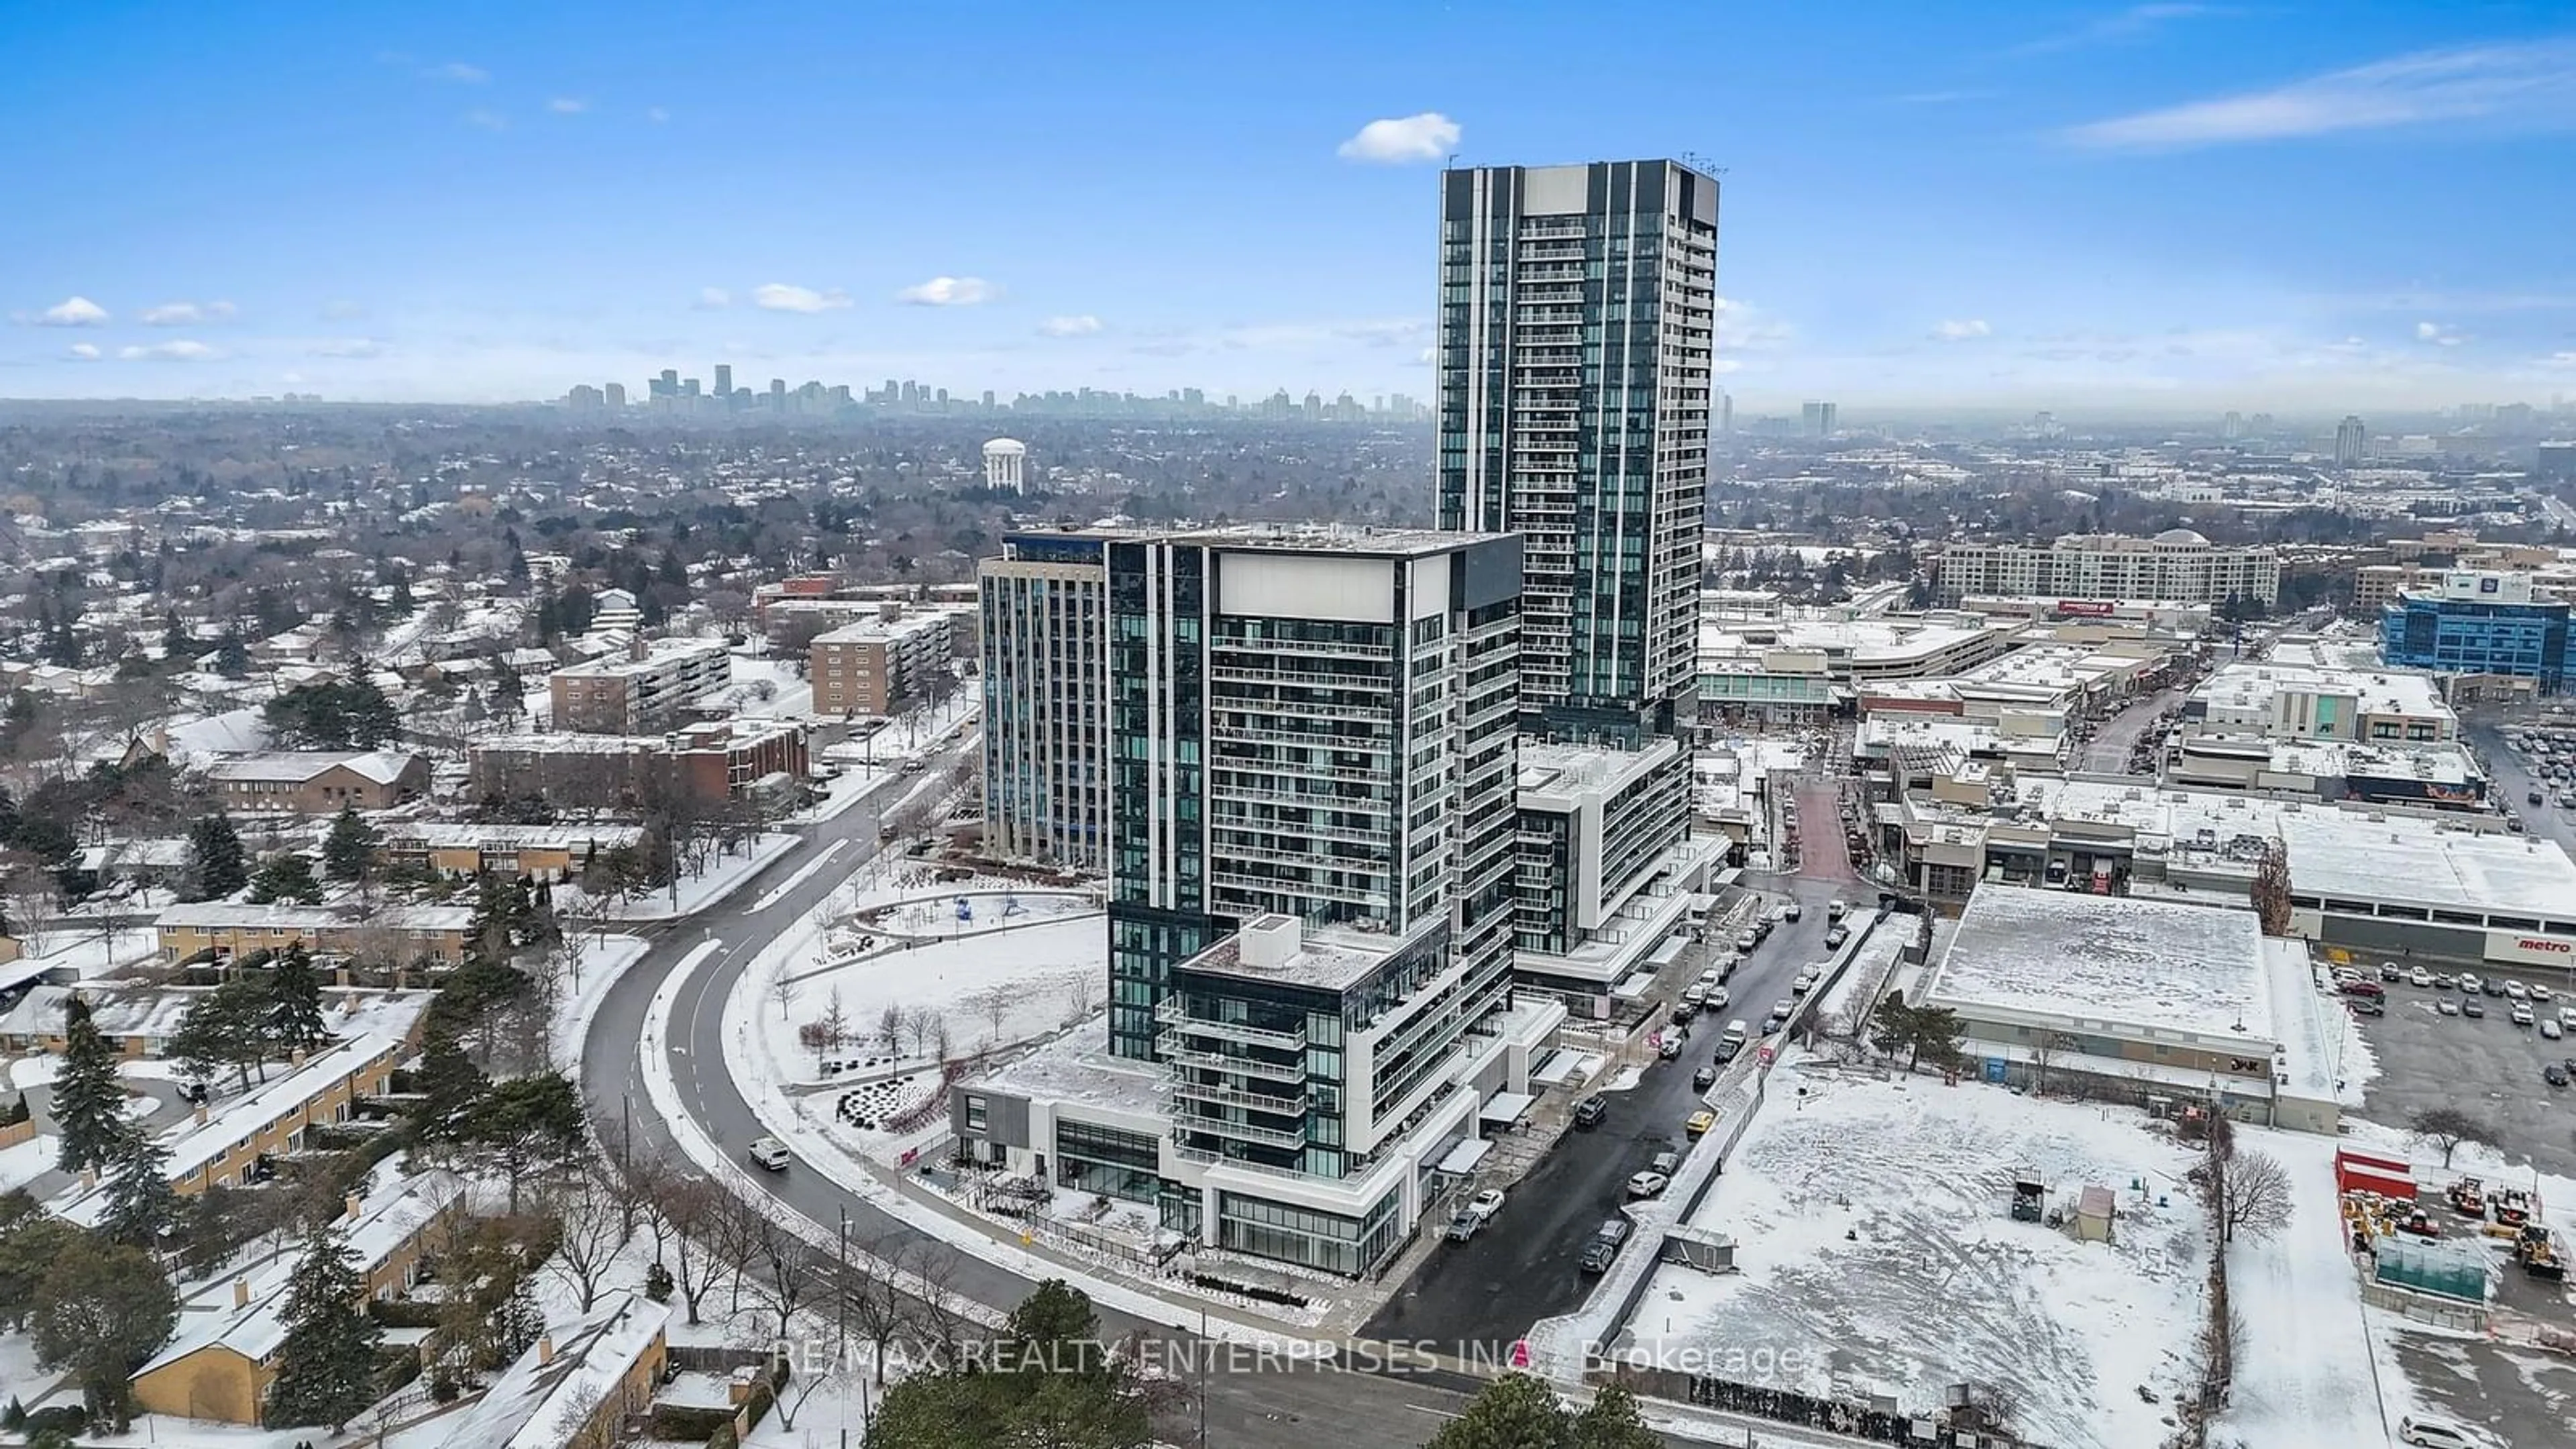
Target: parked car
{"type": "Point", "coordinates": [1835, 936]}
{"type": "Point", "coordinates": [2447, 1006]}
{"type": "Point", "coordinates": [2491, 985]}
{"type": "Point", "coordinates": [2550, 1030]}
{"type": "Point", "coordinates": [1603, 1248]}
{"type": "Point", "coordinates": [2517, 990]}
{"type": "Point", "coordinates": [2567, 1015]}
{"type": "Point", "coordinates": [2371, 989]}
{"type": "Point", "coordinates": [2366, 1006]}
{"type": "Point", "coordinates": [1684, 1010]}
{"type": "Point", "coordinates": [1700, 1121]}
{"type": "Point", "coordinates": [1727, 1048]}
{"type": "Point", "coordinates": [1648, 1184]}
{"type": "Point", "coordinates": [1835, 908]}
{"type": "Point", "coordinates": [2468, 981]}
{"type": "Point", "coordinates": [1671, 1046]}
{"type": "Point", "coordinates": [2534, 798]}
{"type": "Point", "coordinates": [1717, 999]}
{"type": "Point", "coordinates": [1590, 1111]}
{"type": "Point", "coordinates": [2420, 977]}
{"type": "Point", "coordinates": [2471, 1006]}
{"type": "Point", "coordinates": [2431, 1433]}
{"type": "Point", "coordinates": [2540, 992]}
{"type": "Point", "coordinates": [1706, 1076]}
{"type": "Point", "coordinates": [2521, 1014]}
{"type": "Point", "coordinates": [770, 1153]}
{"type": "Point", "coordinates": [1747, 939]}
{"type": "Point", "coordinates": [1666, 1162]}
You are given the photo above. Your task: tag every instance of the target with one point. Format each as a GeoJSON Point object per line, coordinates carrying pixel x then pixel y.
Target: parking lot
{"type": "Point", "coordinates": [2487, 1066]}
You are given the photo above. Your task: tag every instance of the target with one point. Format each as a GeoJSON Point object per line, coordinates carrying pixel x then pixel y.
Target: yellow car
{"type": "Point", "coordinates": [1700, 1121]}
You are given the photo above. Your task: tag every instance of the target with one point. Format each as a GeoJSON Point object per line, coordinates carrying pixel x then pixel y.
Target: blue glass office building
{"type": "Point", "coordinates": [2480, 623]}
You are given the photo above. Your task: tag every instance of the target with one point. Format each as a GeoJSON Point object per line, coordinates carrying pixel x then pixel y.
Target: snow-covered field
{"type": "Point", "coordinates": [1876, 1256]}
{"type": "Point", "coordinates": [993, 988]}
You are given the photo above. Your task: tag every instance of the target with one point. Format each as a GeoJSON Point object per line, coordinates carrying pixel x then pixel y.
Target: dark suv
{"type": "Point", "coordinates": [1590, 1111]}
{"type": "Point", "coordinates": [1603, 1249]}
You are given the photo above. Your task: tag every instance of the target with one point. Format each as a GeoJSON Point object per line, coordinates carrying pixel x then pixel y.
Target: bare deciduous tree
{"type": "Point", "coordinates": [890, 1028]}
{"type": "Point", "coordinates": [586, 1217]}
{"type": "Point", "coordinates": [2448, 1127]}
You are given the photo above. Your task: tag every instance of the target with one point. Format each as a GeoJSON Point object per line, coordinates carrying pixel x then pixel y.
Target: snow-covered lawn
{"type": "Point", "coordinates": [1876, 1255]}
{"type": "Point", "coordinates": [724, 875]}
{"type": "Point", "coordinates": [2303, 1371]}
{"type": "Point", "coordinates": [991, 989]}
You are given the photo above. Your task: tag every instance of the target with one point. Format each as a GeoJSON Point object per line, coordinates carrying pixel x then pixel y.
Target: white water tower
{"type": "Point", "coordinates": [1005, 465]}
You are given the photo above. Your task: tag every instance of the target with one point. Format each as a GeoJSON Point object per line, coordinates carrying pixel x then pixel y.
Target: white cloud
{"type": "Point", "coordinates": [1743, 327]}
{"type": "Point", "coordinates": [341, 311]}
{"type": "Point", "coordinates": [185, 314]}
{"type": "Point", "coordinates": [1398, 140]}
{"type": "Point", "coordinates": [2129, 24]}
{"type": "Point", "coordinates": [83, 352]}
{"type": "Point", "coordinates": [567, 105]}
{"type": "Point", "coordinates": [1075, 326]}
{"type": "Point", "coordinates": [780, 297]}
{"type": "Point", "coordinates": [656, 115]}
{"type": "Point", "coordinates": [950, 292]}
{"type": "Point", "coordinates": [1955, 330]}
{"type": "Point", "coordinates": [459, 72]}
{"type": "Point", "coordinates": [359, 348]}
{"type": "Point", "coordinates": [712, 299]}
{"type": "Point", "coordinates": [2439, 334]}
{"type": "Point", "coordinates": [2533, 86]}
{"type": "Point", "coordinates": [179, 351]}
{"type": "Point", "coordinates": [487, 118]}
{"type": "Point", "coordinates": [73, 312]}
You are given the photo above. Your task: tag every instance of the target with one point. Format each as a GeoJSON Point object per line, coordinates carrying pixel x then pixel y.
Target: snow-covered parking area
{"type": "Point", "coordinates": [1876, 1256]}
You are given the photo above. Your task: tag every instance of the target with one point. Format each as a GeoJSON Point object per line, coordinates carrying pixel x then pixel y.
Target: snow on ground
{"type": "Point", "coordinates": [602, 962]}
{"type": "Point", "coordinates": [724, 875]}
{"type": "Point", "coordinates": [91, 955]}
{"type": "Point", "coordinates": [1876, 1256]}
{"type": "Point", "coordinates": [992, 989]}
{"type": "Point", "coordinates": [2305, 1375]}
{"type": "Point", "coordinates": [770, 688]}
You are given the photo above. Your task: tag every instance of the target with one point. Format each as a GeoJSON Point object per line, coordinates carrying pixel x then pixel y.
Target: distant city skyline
{"type": "Point", "coordinates": [669, 393]}
{"type": "Point", "coordinates": [2080, 207]}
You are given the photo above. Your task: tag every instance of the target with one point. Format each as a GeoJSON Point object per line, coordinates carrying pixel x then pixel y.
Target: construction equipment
{"type": "Point", "coordinates": [2029, 1199]}
{"type": "Point", "coordinates": [2420, 1223]}
{"type": "Point", "coordinates": [2512, 1207]}
{"type": "Point", "coordinates": [2468, 1198]}
{"type": "Point", "coordinates": [2536, 1248]}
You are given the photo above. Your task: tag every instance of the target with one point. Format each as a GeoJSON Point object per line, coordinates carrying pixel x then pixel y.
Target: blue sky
{"type": "Point", "coordinates": [2301, 206]}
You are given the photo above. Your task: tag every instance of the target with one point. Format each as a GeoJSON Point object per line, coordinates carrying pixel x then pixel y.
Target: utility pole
{"type": "Point", "coordinates": [841, 1303]}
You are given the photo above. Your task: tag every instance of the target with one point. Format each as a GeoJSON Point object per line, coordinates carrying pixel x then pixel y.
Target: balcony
{"type": "Point", "coordinates": [1174, 1012]}
{"type": "Point", "coordinates": [1237, 1097]}
{"type": "Point", "coordinates": [1187, 1056]}
{"type": "Point", "coordinates": [1239, 1131]}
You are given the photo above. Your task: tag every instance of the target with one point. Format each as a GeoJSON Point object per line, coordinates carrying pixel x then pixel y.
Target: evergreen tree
{"type": "Point", "coordinates": [176, 644]}
{"type": "Point", "coordinates": [221, 1029]}
{"type": "Point", "coordinates": [102, 1312]}
{"type": "Point", "coordinates": [292, 1020]}
{"type": "Point", "coordinates": [141, 1205]}
{"type": "Point", "coordinates": [349, 852]}
{"type": "Point", "coordinates": [89, 1102]}
{"type": "Point", "coordinates": [217, 866]}
{"type": "Point", "coordinates": [232, 658]}
{"type": "Point", "coordinates": [286, 876]}
{"type": "Point", "coordinates": [451, 1087]}
{"type": "Point", "coordinates": [326, 1364]}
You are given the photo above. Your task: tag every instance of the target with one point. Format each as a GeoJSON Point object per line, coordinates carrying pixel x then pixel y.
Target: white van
{"type": "Point", "coordinates": [2439, 1434]}
{"type": "Point", "coordinates": [1736, 1034]}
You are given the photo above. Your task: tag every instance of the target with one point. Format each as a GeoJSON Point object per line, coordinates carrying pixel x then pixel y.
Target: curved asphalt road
{"type": "Point", "coordinates": [1266, 1406]}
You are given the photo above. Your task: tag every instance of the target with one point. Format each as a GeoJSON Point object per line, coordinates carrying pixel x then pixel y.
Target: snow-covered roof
{"type": "Point", "coordinates": [231, 915]}
{"type": "Point", "coordinates": [233, 732]}
{"type": "Point", "coordinates": [2355, 855]}
{"type": "Point", "coordinates": [543, 1400]}
{"type": "Point", "coordinates": [386, 1219]}
{"type": "Point", "coordinates": [193, 1144]}
{"type": "Point", "coordinates": [2107, 963]}
{"type": "Point", "coordinates": [297, 766]}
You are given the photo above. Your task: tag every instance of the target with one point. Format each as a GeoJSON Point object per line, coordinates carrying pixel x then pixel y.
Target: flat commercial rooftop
{"type": "Point", "coordinates": [2123, 960]}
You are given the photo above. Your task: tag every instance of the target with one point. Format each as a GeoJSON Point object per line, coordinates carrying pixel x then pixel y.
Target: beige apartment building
{"type": "Point", "coordinates": [2177, 565]}
{"type": "Point", "coordinates": [640, 692]}
{"type": "Point", "coordinates": [878, 666]}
